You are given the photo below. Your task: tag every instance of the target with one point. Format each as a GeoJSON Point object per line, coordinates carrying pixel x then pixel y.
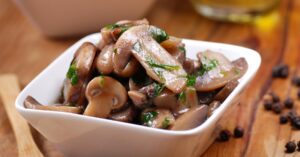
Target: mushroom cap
{"type": "Point", "coordinates": [104, 95]}
{"type": "Point", "coordinates": [104, 60]}
{"type": "Point", "coordinates": [163, 118]}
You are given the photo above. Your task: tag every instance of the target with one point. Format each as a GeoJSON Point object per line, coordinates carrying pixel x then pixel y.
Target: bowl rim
{"type": "Point", "coordinates": [248, 76]}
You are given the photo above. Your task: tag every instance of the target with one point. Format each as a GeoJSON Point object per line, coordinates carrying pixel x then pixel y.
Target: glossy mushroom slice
{"type": "Point", "coordinates": [78, 75]}
{"type": "Point", "coordinates": [176, 48]}
{"type": "Point", "coordinates": [157, 62]}
{"type": "Point", "coordinates": [191, 119]}
{"type": "Point", "coordinates": [104, 94]}
{"type": "Point", "coordinates": [213, 106]}
{"type": "Point", "coordinates": [157, 118]}
{"type": "Point", "coordinates": [166, 99]}
{"type": "Point", "coordinates": [187, 99]}
{"type": "Point", "coordinates": [241, 67]}
{"type": "Point", "coordinates": [32, 103]}
{"type": "Point", "coordinates": [226, 90]}
{"type": "Point", "coordinates": [111, 33]}
{"type": "Point", "coordinates": [104, 60]}
{"type": "Point", "coordinates": [126, 115]}
{"type": "Point", "coordinates": [215, 71]}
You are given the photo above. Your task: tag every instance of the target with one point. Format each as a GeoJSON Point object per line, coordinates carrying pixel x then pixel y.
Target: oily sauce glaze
{"type": "Point", "coordinates": [139, 74]}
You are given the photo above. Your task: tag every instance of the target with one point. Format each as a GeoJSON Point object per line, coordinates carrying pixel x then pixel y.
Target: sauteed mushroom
{"type": "Point", "coordinates": [78, 75]}
{"type": "Point", "coordinates": [104, 94]}
{"type": "Point", "coordinates": [166, 89]}
{"type": "Point", "coordinates": [31, 103]}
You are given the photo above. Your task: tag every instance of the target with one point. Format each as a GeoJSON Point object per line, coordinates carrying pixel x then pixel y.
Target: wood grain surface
{"type": "Point", "coordinates": [25, 52]}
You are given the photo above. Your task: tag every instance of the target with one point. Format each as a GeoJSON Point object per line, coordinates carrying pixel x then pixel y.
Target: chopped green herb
{"type": "Point", "coordinates": [122, 28]}
{"type": "Point", "coordinates": [191, 80]}
{"type": "Point", "coordinates": [182, 97]}
{"type": "Point", "coordinates": [101, 81]}
{"type": "Point", "coordinates": [207, 67]}
{"type": "Point", "coordinates": [115, 50]}
{"type": "Point", "coordinates": [158, 34]}
{"type": "Point", "coordinates": [147, 117]}
{"type": "Point", "coordinates": [166, 123]}
{"type": "Point", "coordinates": [158, 88]}
{"type": "Point", "coordinates": [112, 26]}
{"type": "Point", "coordinates": [163, 66]}
{"type": "Point", "coordinates": [224, 73]}
{"type": "Point", "coordinates": [182, 49]}
{"type": "Point", "coordinates": [72, 74]}
{"type": "Point", "coordinates": [236, 71]}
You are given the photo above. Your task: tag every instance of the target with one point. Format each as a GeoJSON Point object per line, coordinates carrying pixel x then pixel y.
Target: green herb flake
{"type": "Point", "coordinates": [158, 34]}
{"type": "Point", "coordinates": [191, 80]}
{"type": "Point", "coordinates": [237, 71]}
{"type": "Point", "coordinates": [72, 74]}
{"type": "Point", "coordinates": [182, 49]}
{"type": "Point", "coordinates": [207, 67]}
{"type": "Point", "coordinates": [115, 50]}
{"type": "Point", "coordinates": [112, 26]}
{"type": "Point", "coordinates": [158, 88]}
{"type": "Point", "coordinates": [101, 81]}
{"type": "Point", "coordinates": [182, 97]}
{"type": "Point", "coordinates": [147, 117]}
{"type": "Point", "coordinates": [163, 66]}
{"type": "Point", "coordinates": [166, 123]}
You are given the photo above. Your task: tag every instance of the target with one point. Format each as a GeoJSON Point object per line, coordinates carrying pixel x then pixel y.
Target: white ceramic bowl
{"type": "Point", "coordinates": [79, 136]}
{"type": "Point", "coordinates": [59, 18]}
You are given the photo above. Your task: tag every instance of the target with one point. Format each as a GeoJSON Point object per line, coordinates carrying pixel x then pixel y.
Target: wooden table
{"type": "Point", "coordinates": [24, 51]}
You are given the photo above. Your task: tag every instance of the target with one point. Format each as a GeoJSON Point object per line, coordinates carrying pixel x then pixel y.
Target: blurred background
{"type": "Point", "coordinates": [33, 33]}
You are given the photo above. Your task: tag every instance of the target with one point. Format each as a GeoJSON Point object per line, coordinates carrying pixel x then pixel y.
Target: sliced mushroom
{"type": "Point", "coordinates": [216, 70]}
{"type": "Point", "coordinates": [157, 118]}
{"type": "Point", "coordinates": [139, 99]}
{"type": "Point", "coordinates": [241, 67]}
{"type": "Point", "coordinates": [104, 60]}
{"type": "Point", "coordinates": [166, 99]}
{"type": "Point", "coordinates": [104, 95]}
{"type": "Point", "coordinates": [158, 63]}
{"type": "Point", "coordinates": [126, 115]}
{"type": "Point", "coordinates": [213, 106]}
{"type": "Point", "coordinates": [226, 90]}
{"type": "Point", "coordinates": [189, 66]}
{"type": "Point", "coordinates": [133, 23]}
{"type": "Point", "coordinates": [191, 119]}
{"type": "Point", "coordinates": [175, 47]}
{"type": "Point", "coordinates": [129, 70]}
{"type": "Point", "coordinates": [32, 103]}
{"type": "Point", "coordinates": [78, 74]}
{"type": "Point", "coordinates": [187, 99]}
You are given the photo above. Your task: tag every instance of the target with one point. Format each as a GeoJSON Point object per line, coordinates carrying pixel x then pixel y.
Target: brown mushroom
{"type": "Point", "coordinates": [226, 90]}
{"type": "Point", "coordinates": [157, 62]}
{"type": "Point", "coordinates": [213, 106]}
{"type": "Point", "coordinates": [241, 67]}
{"type": "Point", "coordinates": [186, 99]}
{"type": "Point", "coordinates": [216, 70]}
{"type": "Point", "coordinates": [175, 47]}
{"type": "Point", "coordinates": [139, 99]}
{"type": "Point", "coordinates": [157, 118]}
{"type": "Point", "coordinates": [78, 75]}
{"type": "Point", "coordinates": [104, 60]}
{"type": "Point", "coordinates": [32, 103]}
{"type": "Point", "coordinates": [104, 95]}
{"type": "Point", "coordinates": [166, 99]}
{"type": "Point", "coordinates": [130, 69]}
{"type": "Point", "coordinates": [191, 119]}
{"type": "Point", "coordinates": [126, 115]}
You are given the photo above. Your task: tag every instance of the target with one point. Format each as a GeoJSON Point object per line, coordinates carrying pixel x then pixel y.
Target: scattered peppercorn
{"type": "Point", "coordinates": [290, 147]}
{"type": "Point", "coordinates": [296, 123]}
{"type": "Point", "coordinates": [289, 102]}
{"type": "Point", "coordinates": [268, 105]}
{"type": "Point", "coordinates": [238, 132]}
{"type": "Point", "coordinates": [298, 145]}
{"type": "Point", "coordinates": [280, 71]}
{"type": "Point", "coordinates": [296, 81]}
{"type": "Point", "coordinates": [224, 136]}
{"type": "Point", "coordinates": [275, 97]}
{"type": "Point", "coordinates": [283, 119]}
{"type": "Point", "coordinates": [276, 108]}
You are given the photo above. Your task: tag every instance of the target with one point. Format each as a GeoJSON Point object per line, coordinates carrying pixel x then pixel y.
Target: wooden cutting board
{"type": "Point", "coordinates": [24, 51]}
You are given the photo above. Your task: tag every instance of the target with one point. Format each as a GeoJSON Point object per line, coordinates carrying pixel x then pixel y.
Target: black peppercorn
{"type": "Point", "coordinates": [289, 102]}
{"type": "Point", "coordinates": [283, 119]}
{"type": "Point", "coordinates": [268, 105]}
{"type": "Point", "coordinates": [290, 147]}
{"type": "Point", "coordinates": [224, 135]}
{"type": "Point", "coordinates": [280, 71]}
{"type": "Point", "coordinates": [238, 132]}
{"type": "Point", "coordinates": [298, 145]}
{"type": "Point", "coordinates": [276, 108]}
{"type": "Point", "coordinates": [296, 123]}
{"type": "Point", "coordinates": [296, 81]}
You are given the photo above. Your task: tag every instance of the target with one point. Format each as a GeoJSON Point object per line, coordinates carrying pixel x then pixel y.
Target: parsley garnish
{"type": "Point", "coordinates": [182, 49]}
{"type": "Point", "coordinates": [163, 66]}
{"type": "Point", "coordinates": [207, 67]}
{"type": "Point", "coordinates": [166, 123]}
{"type": "Point", "coordinates": [182, 97]}
{"type": "Point", "coordinates": [72, 74]}
{"type": "Point", "coordinates": [191, 80]}
{"type": "Point", "coordinates": [158, 34]}
{"type": "Point", "coordinates": [101, 81]}
{"type": "Point", "coordinates": [158, 88]}
{"type": "Point", "coordinates": [147, 117]}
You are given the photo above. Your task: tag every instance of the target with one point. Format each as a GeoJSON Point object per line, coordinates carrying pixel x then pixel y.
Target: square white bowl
{"type": "Point", "coordinates": [78, 135]}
